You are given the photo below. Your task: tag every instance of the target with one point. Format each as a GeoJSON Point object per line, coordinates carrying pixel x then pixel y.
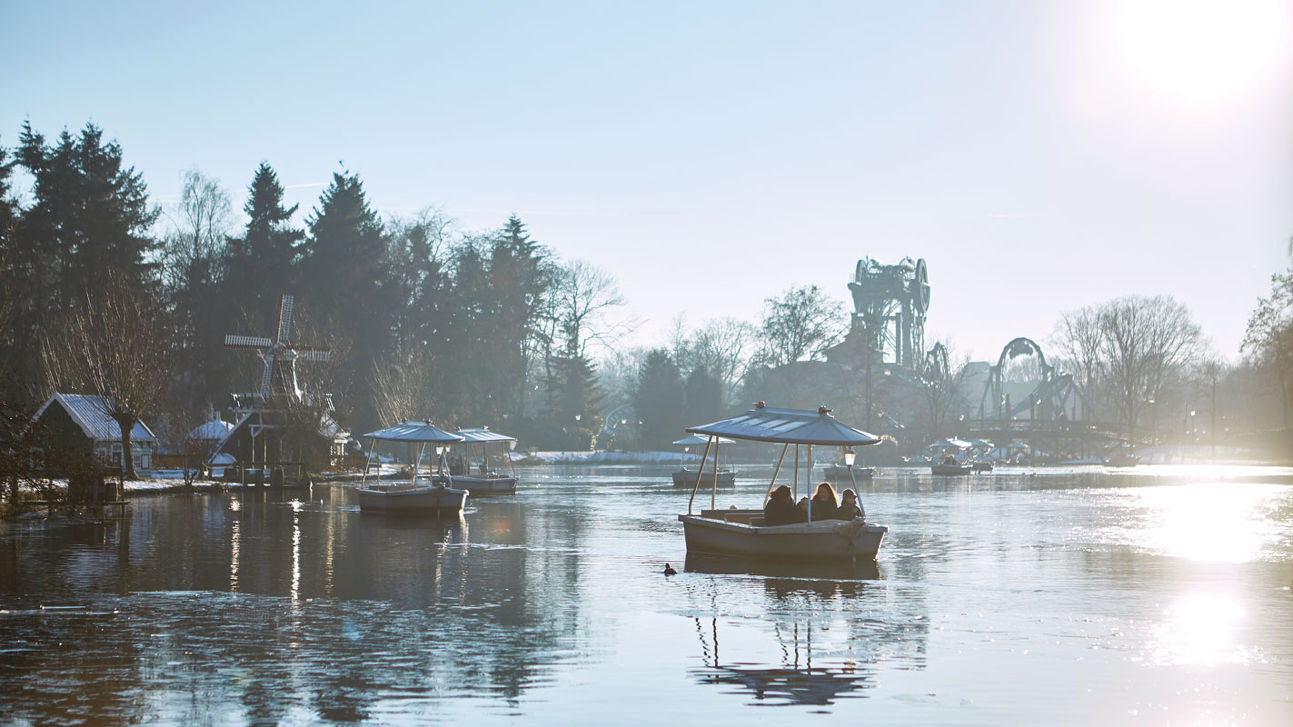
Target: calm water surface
{"type": "Point", "coordinates": [1156, 596]}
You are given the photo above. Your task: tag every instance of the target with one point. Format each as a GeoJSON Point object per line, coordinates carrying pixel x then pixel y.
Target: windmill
{"type": "Point", "coordinates": [280, 355]}
{"type": "Point", "coordinates": [263, 437]}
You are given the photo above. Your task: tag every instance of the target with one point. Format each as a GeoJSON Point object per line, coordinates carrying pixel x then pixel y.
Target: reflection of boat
{"type": "Point", "coordinates": [493, 476]}
{"type": "Point", "coordinates": [795, 681]}
{"type": "Point", "coordinates": [684, 477]}
{"type": "Point", "coordinates": [863, 570]}
{"type": "Point", "coordinates": [1122, 458]}
{"type": "Point", "coordinates": [413, 497]}
{"type": "Point", "coordinates": [742, 532]}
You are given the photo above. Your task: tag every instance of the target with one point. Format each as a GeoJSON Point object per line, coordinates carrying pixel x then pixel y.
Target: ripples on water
{"type": "Point", "coordinates": [1072, 597]}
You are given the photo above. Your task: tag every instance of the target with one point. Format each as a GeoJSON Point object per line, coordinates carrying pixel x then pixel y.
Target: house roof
{"type": "Point", "coordinates": [789, 426]}
{"type": "Point", "coordinates": [217, 429]}
{"type": "Point", "coordinates": [91, 414]}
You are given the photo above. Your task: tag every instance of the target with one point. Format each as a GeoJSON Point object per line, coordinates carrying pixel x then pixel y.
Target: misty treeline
{"type": "Point", "coordinates": [104, 291]}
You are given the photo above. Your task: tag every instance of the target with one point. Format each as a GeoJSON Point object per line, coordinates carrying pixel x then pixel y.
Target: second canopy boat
{"type": "Point", "coordinates": [743, 532]}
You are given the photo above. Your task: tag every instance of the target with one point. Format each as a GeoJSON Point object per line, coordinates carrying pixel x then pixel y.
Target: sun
{"type": "Point", "coordinates": [1200, 51]}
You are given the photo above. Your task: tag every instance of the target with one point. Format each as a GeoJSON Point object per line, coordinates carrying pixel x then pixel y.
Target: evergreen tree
{"type": "Point", "coordinates": [12, 290]}
{"type": "Point", "coordinates": [261, 265]}
{"type": "Point", "coordinates": [576, 404]}
{"type": "Point", "coordinates": [347, 284]}
{"type": "Point", "coordinates": [659, 400]}
{"type": "Point", "coordinates": [702, 397]}
{"type": "Point", "coordinates": [520, 280]}
{"type": "Point", "coordinates": [86, 223]}
{"type": "Point", "coordinates": [89, 214]}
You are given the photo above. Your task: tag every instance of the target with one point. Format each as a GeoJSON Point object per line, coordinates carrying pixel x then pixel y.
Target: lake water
{"type": "Point", "coordinates": [1160, 595]}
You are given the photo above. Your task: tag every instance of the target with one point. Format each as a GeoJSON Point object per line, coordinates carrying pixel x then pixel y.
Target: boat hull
{"type": "Point", "coordinates": [481, 485]}
{"type": "Point", "coordinates": [840, 475]}
{"type": "Point", "coordinates": [687, 478]}
{"type": "Point", "coordinates": [950, 469]}
{"type": "Point", "coordinates": [408, 499]}
{"type": "Point", "coordinates": [738, 532]}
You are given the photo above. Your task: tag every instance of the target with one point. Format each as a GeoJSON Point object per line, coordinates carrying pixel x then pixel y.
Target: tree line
{"type": "Point", "coordinates": [466, 327]}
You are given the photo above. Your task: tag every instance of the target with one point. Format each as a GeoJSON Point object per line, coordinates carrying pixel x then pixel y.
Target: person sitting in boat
{"type": "Point", "coordinates": [825, 504]}
{"type": "Point", "coordinates": [849, 507]}
{"type": "Point", "coordinates": [781, 509]}
{"type": "Point", "coordinates": [949, 459]}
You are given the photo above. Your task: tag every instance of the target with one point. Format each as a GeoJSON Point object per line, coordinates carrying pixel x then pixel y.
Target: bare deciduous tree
{"type": "Point", "coordinates": [200, 221]}
{"type": "Point", "coordinates": [801, 324]}
{"type": "Point", "coordinates": [1144, 342]}
{"type": "Point", "coordinates": [116, 347]}
{"type": "Point", "coordinates": [583, 299]}
{"type": "Point", "coordinates": [1268, 339]}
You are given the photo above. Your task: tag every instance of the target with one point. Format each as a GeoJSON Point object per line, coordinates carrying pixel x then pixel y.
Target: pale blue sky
{"type": "Point", "coordinates": [1040, 155]}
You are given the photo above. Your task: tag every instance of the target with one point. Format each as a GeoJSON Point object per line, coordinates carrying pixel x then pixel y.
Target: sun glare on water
{"type": "Point", "coordinates": [1200, 51]}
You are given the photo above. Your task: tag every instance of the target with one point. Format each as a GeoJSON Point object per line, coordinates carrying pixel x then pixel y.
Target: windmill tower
{"type": "Point", "coordinates": [267, 415]}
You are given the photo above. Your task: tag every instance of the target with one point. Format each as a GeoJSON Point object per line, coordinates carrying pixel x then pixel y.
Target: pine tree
{"type": "Point", "coordinates": [261, 265]}
{"type": "Point", "coordinates": [90, 214]}
{"type": "Point", "coordinates": [702, 397]}
{"type": "Point", "coordinates": [347, 284]}
{"type": "Point", "coordinates": [659, 400]}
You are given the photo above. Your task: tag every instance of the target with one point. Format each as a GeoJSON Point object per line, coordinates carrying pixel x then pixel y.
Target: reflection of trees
{"type": "Point", "coordinates": [334, 613]}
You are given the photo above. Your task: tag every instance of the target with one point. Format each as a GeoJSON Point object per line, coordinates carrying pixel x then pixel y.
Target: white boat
{"type": "Point", "coordinates": [726, 476]}
{"type": "Point", "coordinates": [742, 532]}
{"type": "Point", "coordinates": [419, 495]}
{"type": "Point", "coordinates": [494, 474]}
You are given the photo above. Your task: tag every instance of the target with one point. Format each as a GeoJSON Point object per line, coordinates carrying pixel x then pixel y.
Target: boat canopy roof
{"type": "Point", "coordinates": [951, 443]}
{"type": "Point", "coordinates": [414, 432]}
{"type": "Point", "coordinates": [482, 435]}
{"type": "Point", "coordinates": [788, 426]}
{"type": "Point", "coordinates": [695, 440]}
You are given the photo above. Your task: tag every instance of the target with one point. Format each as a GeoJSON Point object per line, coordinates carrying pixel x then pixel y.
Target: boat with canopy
{"type": "Point", "coordinates": [687, 478]}
{"type": "Point", "coordinates": [414, 496]}
{"type": "Point", "coordinates": [743, 532]}
{"type": "Point", "coordinates": [493, 475]}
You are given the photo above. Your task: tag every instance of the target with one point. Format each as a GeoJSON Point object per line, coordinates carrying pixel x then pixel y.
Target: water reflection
{"type": "Point", "coordinates": [296, 608]}
{"type": "Point", "coordinates": [794, 681]}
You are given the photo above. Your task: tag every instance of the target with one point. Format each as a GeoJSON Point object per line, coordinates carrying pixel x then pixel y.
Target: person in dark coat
{"type": "Point", "coordinates": [781, 509]}
{"type": "Point", "coordinates": [849, 507]}
{"type": "Point", "coordinates": [825, 504]}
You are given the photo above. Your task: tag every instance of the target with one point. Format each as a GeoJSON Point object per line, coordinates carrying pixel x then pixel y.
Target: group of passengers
{"type": "Point", "coordinates": [782, 509]}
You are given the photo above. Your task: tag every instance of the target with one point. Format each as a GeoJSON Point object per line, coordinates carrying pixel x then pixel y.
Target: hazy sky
{"type": "Point", "coordinates": [1041, 156]}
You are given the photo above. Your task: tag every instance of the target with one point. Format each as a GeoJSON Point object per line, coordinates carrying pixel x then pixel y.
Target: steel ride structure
{"type": "Point", "coordinates": [1052, 415]}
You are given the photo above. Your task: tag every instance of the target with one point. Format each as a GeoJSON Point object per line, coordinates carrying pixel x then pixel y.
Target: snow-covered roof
{"type": "Point", "coordinates": [789, 426]}
{"type": "Point", "coordinates": [695, 440]}
{"type": "Point", "coordinates": [414, 432]}
{"type": "Point", "coordinates": [482, 435]}
{"type": "Point", "coordinates": [91, 414]}
{"type": "Point", "coordinates": [216, 429]}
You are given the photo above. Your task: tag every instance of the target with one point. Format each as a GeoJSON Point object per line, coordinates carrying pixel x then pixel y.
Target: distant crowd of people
{"type": "Point", "coordinates": [783, 510]}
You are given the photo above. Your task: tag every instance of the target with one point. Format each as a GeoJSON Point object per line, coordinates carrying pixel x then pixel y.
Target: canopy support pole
{"type": "Point", "coordinates": [700, 473]}
{"type": "Point", "coordinates": [796, 479]}
{"type": "Point", "coordinates": [811, 495]}
{"type": "Point", "coordinates": [368, 463]}
{"type": "Point", "coordinates": [777, 469]}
